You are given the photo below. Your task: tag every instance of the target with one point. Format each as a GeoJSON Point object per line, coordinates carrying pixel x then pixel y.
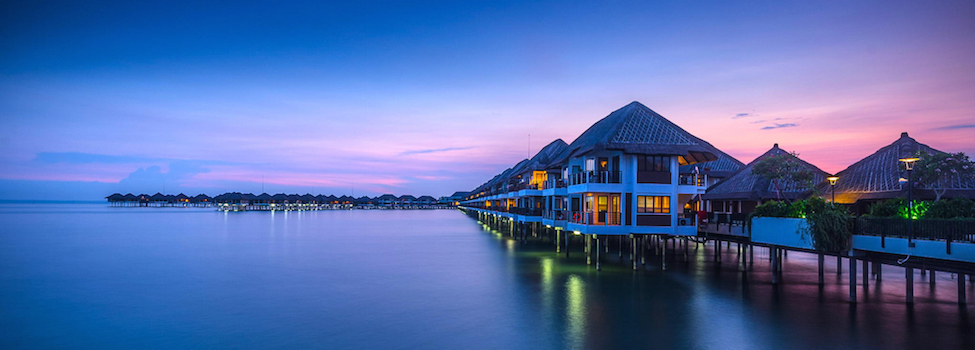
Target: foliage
{"type": "Point", "coordinates": [774, 209]}
{"type": "Point", "coordinates": [782, 170]}
{"type": "Point", "coordinates": [888, 208]}
{"type": "Point", "coordinates": [828, 224]}
{"type": "Point", "coordinates": [777, 209]}
{"type": "Point", "coordinates": [829, 229]}
{"type": "Point", "coordinates": [959, 207]}
{"type": "Point", "coordinates": [938, 171]}
{"type": "Point", "coordinates": [917, 212]}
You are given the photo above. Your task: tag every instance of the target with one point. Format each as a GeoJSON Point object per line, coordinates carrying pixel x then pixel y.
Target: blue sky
{"type": "Point", "coordinates": [434, 97]}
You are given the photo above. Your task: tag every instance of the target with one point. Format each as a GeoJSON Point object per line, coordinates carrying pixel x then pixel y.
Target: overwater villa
{"type": "Point", "coordinates": [622, 176]}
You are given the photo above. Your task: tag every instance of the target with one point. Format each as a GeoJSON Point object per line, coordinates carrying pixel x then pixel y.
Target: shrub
{"type": "Point", "coordinates": [958, 207]}
{"type": "Point", "coordinates": [774, 209]}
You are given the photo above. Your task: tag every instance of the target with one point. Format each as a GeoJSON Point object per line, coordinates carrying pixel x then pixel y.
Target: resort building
{"type": "Point", "coordinates": [881, 176]}
{"type": "Point", "coordinates": [633, 172]}
{"type": "Point", "coordinates": [741, 192]}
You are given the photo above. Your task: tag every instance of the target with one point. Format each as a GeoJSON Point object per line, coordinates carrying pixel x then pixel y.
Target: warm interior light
{"type": "Point", "coordinates": [832, 179]}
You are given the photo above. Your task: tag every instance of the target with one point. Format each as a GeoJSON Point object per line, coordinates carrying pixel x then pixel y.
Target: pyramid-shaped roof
{"type": "Point", "coordinates": [877, 175]}
{"type": "Point", "coordinates": [637, 129]}
{"type": "Point", "coordinates": [744, 185]}
{"type": "Point", "coordinates": [546, 156]}
{"type": "Point", "coordinates": [723, 167]}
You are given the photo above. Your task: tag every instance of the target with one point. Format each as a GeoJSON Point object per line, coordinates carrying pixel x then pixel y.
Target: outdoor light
{"type": "Point", "coordinates": [832, 187]}
{"type": "Point", "coordinates": [909, 163]}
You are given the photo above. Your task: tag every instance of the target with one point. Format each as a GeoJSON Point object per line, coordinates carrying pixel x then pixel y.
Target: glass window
{"type": "Point", "coordinates": [654, 163]}
{"type": "Point", "coordinates": [653, 204]}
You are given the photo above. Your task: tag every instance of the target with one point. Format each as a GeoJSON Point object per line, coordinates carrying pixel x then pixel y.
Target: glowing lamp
{"type": "Point", "coordinates": [832, 180]}
{"type": "Point", "coordinates": [909, 163]}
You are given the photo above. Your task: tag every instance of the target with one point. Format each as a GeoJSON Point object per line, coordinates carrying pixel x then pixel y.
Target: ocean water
{"type": "Point", "coordinates": [87, 276]}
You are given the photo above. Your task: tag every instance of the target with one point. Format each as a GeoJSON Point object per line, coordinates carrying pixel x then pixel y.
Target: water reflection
{"type": "Point", "coordinates": [575, 312]}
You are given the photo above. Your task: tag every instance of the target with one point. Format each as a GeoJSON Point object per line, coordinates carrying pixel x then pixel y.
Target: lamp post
{"type": "Point", "coordinates": [909, 165]}
{"type": "Point", "coordinates": [832, 188]}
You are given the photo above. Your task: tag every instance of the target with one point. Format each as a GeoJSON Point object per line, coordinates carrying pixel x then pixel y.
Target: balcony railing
{"type": "Point", "coordinates": [526, 211]}
{"type": "Point", "coordinates": [954, 230]}
{"type": "Point", "coordinates": [600, 177]}
{"type": "Point", "coordinates": [554, 183]}
{"type": "Point", "coordinates": [690, 179]}
{"type": "Point", "coordinates": [600, 218]}
{"type": "Point", "coordinates": [556, 214]}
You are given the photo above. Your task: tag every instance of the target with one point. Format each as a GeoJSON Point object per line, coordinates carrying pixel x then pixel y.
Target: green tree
{"type": "Point", "coordinates": [783, 169]}
{"type": "Point", "coordinates": [938, 172]}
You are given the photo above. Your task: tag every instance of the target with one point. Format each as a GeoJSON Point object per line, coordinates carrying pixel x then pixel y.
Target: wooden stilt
{"type": "Point", "coordinates": [853, 280]}
{"type": "Point", "coordinates": [774, 254]}
{"type": "Point", "coordinates": [909, 274]}
{"type": "Point", "coordinates": [663, 257]}
{"type": "Point", "coordinates": [598, 265]}
{"type": "Point", "coordinates": [821, 269]}
{"type": "Point", "coordinates": [866, 275]}
{"type": "Point", "coordinates": [961, 289]}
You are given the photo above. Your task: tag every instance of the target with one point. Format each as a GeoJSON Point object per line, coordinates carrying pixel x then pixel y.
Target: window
{"type": "Point", "coordinates": [590, 164]}
{"type": "Point", "coordinates": [653, 204]}
{"type": "Point", "coordinates": [654, 163]}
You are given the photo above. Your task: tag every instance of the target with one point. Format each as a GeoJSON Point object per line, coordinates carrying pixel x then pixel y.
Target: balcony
{"type": "Point", "coordinates": [690, 180]}
{"type": "Point", "coordinates": [600, 218]}
{"type": "Point", "coordinates": [596, 177]}
{"type": "Point", "coordinates": [525, 211]}
{"type": "Point", "coordinates": [553, 183]}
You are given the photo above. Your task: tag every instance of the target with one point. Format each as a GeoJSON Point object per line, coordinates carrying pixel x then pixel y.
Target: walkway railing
{"type": "Point", "coordinates": [953, 230]}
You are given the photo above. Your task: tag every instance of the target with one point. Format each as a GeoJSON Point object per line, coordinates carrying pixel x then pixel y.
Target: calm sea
{"type": "Point", "coordinates": [86, 276]}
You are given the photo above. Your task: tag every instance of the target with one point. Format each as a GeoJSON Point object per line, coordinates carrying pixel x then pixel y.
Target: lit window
{"type": "Point", "coordinates": [653, 204]}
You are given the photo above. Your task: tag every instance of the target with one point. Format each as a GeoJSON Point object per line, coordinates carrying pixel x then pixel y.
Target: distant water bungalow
{"type": "Point", "coordinates": [237, 201]}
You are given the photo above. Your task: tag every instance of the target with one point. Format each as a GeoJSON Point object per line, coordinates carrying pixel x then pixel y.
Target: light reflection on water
{"type": "Point", "coordinates": [94, 277]}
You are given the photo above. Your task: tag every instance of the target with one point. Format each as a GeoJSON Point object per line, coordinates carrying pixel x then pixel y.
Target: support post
{"type": "Point", "coordinates": [853, 279]}
{"type": "Point", "coordinates": [909, 273]}
{"type": "Point", "coordinates": [866, 276]}
{"type": "Point", "coordinates": [598, 265]}
{"type": "Point", "coordinates": [643, 250]}
{"type": "Point", "coordinates": [821, 269]}
{"type": "Point", "coordinates": [566, 244]}
{"type": "Point", "coordinates": [961, 289]}
{"type": "Point", "coordinates": [774, 254]}
{"type": "Point", "coordinates": [839, 265]}
{"type": "Point", "coordinates": [663, 257]}
{"type": "Point", "coordinates": [931, 278]}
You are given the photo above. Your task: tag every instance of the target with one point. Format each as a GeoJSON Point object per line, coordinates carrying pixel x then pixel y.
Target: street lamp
{"type": "Point", "coordinates": [832, 187]}
{"type": "Point", "coordinates": [909, 165]}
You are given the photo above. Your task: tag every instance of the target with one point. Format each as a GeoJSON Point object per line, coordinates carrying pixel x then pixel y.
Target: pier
{"type": "Point", "coordinates": [859, 270]}
{"type": "Point", "coordinates": [638, 186]}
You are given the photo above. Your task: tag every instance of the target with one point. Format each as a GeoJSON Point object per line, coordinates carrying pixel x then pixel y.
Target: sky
{"type": "Point", "coordinates": [428, 98]}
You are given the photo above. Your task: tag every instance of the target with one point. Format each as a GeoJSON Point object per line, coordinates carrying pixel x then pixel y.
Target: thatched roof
{"type": "Point", "coordinates": [744, 185]}
{"type": "Point", "coordinates": [115, 197]}
{"type": "Point", "coordinates": [387, 197]}
{"type": "Point", "coordinates": [636, 129]}
{"type": "Point", "coordinates": [158, 197]}
{"type": "Point", "coordinates": [877, 175]}
{"type": "Point", "coordinates": [263, 197]}
{"type": "Point", "coordinates": [130, 197]}
{"type": "Point", "coordinates": [426, 199]}
{"type": "Point", "coordinates": [723, 167]}
{"type": "Point", "coordinates": [544, 157]}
